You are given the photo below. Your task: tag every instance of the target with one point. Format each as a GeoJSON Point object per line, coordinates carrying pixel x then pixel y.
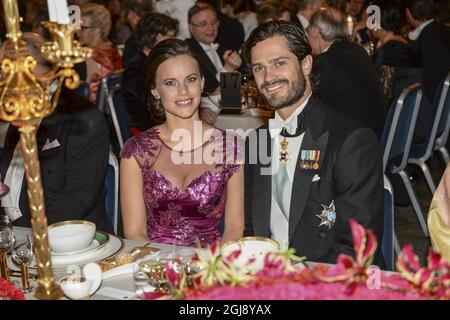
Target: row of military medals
{"type": "Point", "coordinates": [309, 159]}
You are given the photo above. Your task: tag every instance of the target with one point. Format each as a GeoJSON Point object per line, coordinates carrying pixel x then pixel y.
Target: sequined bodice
{"type": "Point", "coordinates": [190, 209]}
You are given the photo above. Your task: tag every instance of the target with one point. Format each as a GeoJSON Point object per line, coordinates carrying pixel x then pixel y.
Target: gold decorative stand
{"type": "Point", "coordinates": [24, 100]}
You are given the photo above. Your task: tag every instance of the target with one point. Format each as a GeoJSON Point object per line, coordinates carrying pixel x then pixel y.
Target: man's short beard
{"type": "Point", "coordinates": [294, 94]}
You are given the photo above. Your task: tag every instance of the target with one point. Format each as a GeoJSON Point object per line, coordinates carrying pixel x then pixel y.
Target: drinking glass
{"type": "Point", "coordinates": [6, 241]}
{"type": "Point", "coordinates": [21, 256]}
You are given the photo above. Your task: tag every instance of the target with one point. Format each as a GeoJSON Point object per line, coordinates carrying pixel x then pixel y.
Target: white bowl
{"type": "Point", "coordinates": [71, 235]}
{"type": "Point", "coordinates": [251, 248]}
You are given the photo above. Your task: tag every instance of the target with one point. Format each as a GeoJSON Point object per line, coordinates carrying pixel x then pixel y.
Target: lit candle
{"type": "Point", "coordinates": [58, 11]}
{"type": "Point", "coordinates": [350, 25]}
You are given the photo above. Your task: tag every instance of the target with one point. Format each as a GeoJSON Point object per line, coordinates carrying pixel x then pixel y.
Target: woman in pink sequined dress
{"type": "Point", "coordinates": [178, 178]}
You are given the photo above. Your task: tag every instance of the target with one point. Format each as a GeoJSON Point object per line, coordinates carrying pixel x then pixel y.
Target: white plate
{"type": "Point", "coordinates": [251, 248]}
{"type": "Point", "coordinates": [94, 244]}
{"type": "Point", "coordinates": [61, 263]}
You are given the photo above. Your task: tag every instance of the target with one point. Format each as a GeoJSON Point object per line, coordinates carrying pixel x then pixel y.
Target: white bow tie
{"type": "Point", "coordinates": [277, 124]}
{"type": "Point", "coordinates": [212, 47]}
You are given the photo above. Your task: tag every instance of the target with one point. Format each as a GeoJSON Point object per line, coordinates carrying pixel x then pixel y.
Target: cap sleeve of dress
{"type": "Point", "coordinates": [230, 147]}
{"type": "Point", "coordinates": [144, 147]}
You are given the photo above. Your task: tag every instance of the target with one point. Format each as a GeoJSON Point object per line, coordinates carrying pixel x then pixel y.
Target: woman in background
{"type": "Point", "coordinates": [105, 59]}
{"type": "Point", "coordinates": [152, 28]}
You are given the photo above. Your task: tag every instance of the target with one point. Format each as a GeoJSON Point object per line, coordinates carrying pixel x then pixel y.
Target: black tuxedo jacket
{"type": "Point", "coordinates": [73, 174]}
{"type": "Point", "coordinates": [432, 50]}
{"type": "Point", "coordinates": [231, 33]}
{"type": "Point", "coordinates": [349, 84]}
{"type": "Point", "coordinates": [207, 68]}
{"type": "Point", "coordinates": [350, 174]}
{"type": "Point", "coordinates": [134, 94]}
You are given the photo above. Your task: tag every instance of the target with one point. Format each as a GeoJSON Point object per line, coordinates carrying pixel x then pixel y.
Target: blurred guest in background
{"type": "Point", "coordinates": [168, 199]}
{"type": "Point", "coordinates": [244, 11]}
{"type": "Point", "coordinates": [152, 28]}
{"type": "Point", "coordinates": [213, 58]}
{"type": "Point", "coordinates": [177, 10]}
{"type": "Point", "coordinates": [135, 10]}
{"type": "Point", "coordinates": [430, 42]}
{"type": "Point", "coordinates": [272, 10]}
{"type": "Point", "coordinates": [95, 28]}
{"type": "Point", "coordinates": [306, 9]}
{"type": "Point", "coordinates": [348, 79]}
{"type": "Point", "coordinates": [231, 32]}
{"type": "Point", "coordinates": [120, 30]}
{"type": "Point", "coordinates": [393, 58]}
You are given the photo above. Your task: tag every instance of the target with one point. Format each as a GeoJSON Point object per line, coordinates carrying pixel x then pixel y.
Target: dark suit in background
{"type": "Point", "coordinates": [134, 94]}
{"type": "Point", "coordinates": [432, 50]}
{"type": "Point", "coordinates": [73, 173]}
{"type": "Point", "coordinates": [231, 33]}
{"type": "Point", "coordinates": [130, 50]}
{"type": "Point", "coordinates": [350, 175]}
{"type": "Point", "coordinates": [349, 84]}
{"type": "Point", "coordinates": [207, 68]}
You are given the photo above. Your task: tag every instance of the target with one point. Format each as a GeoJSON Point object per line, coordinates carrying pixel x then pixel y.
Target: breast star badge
{"type": "Point", "coordinates": [328, 215]}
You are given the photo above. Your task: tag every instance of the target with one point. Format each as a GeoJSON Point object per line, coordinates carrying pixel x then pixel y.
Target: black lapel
{"type": "Point", "coordinates": [262, 184]}
{"type": "Point", "coordinates": [303, 177]}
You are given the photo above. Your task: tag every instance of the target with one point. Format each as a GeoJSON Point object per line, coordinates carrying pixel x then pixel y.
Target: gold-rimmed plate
{"type": "Point", "coordinates": [113, 247]}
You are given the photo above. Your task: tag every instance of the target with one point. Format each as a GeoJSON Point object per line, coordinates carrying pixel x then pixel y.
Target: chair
{"type": "Point", "coordinates": [444, 123]}
{"type": "Point", "coordinates": [420, 153]}
{"type": "Point", "coordinates": [110, 101]}
{"type": "Point", "coordinates": [112, 190]}
{"type": "Point", "coordinates": [389, 243]}
{"type": "Point", "coordinates": [397, 139]}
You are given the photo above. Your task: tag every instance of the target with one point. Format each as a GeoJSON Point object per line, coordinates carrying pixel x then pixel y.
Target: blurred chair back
{"type": "Point", "coordinates": [421, 152]}
{"type": "Point", "coordinates": [399, 129]}
{"type": "Point", "coordinates": [110, 101]}
{"type": "Point", "coordinates": [112, 190]}
{"type": "Point", "coordinates": [389, 244]}
{"type": "Point", "coordinates": [444, 121]}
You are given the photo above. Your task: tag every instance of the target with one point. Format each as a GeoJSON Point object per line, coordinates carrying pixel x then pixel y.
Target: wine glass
{"type": "Point", "coordinates": [21, 256]}
{"type": "Point", "coordinates": [6, 241]}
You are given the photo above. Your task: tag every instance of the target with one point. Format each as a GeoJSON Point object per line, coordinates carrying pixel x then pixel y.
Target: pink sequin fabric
{"type": "Point", "coordinates": [185, 192]}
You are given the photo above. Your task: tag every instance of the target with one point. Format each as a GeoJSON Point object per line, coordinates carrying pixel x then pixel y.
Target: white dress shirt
{"type": "Point", "coordinates": [415, 34]}
{"type": "Point", "coordinates": [211, 51]}
{"type": "Point", "coordinates": [279, 218]}
{"type": "Point", "coordinates": [303, 21]}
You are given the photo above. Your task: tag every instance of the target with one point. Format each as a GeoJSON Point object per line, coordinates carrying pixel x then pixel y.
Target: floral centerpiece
{"type": "Point", "coordinates": [217, 277]}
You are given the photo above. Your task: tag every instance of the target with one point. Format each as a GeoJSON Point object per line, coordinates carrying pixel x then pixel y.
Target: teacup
{"type": "Point", "coordinates": [75, 287]}
{"type": "Point", "coordinates": [78, 286]}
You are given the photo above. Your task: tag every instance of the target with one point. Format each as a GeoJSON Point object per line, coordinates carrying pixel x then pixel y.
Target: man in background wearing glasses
{"type": "Point", "coordinates": [213, 59]}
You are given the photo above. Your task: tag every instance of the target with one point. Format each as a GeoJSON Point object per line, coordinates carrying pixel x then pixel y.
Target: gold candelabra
{"type": "Point", "coordinates": [25, 98]}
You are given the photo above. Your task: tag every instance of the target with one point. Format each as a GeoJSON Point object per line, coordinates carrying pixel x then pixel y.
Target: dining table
{"type": "Point", "coordinates": [119, 287]}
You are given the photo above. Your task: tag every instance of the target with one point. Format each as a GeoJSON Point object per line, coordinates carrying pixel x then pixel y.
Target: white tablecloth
{"type": "Point", "coordinates": [250, 119]}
